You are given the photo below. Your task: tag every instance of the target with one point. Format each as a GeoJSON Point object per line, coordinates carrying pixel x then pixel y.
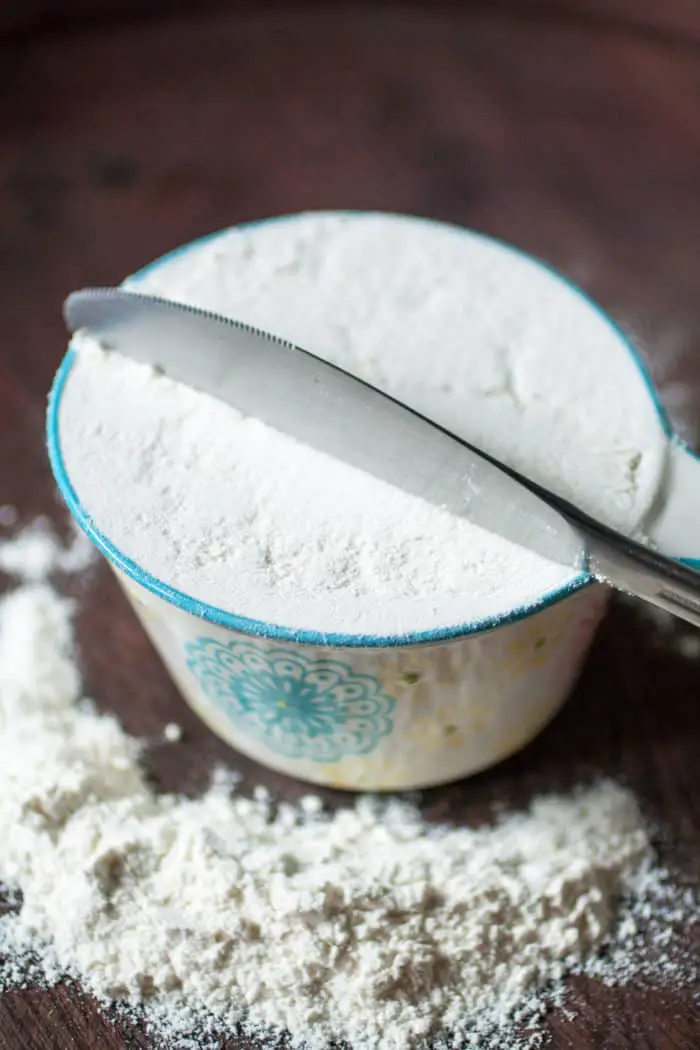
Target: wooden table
{"type": "Point", "coordinates": [577, 139]}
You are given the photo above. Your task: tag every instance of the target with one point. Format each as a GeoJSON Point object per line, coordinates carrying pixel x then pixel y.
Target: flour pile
{"type": "Point", "coordinates": [366, 925]}
{"type": "Point", "coordinates": [37, 551]}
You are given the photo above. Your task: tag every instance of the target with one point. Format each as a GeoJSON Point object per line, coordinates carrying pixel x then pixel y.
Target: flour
{"type": "Point", "coordinates": [172, 733]}
{"type": "Point", "coordinates": [366, 925]}
{"type": "Point", "coordinates": [239, 516]}
{"type": "Point", "coordinates": [252, 521]}
{"type": "Point", "coordinates": [37, 551]}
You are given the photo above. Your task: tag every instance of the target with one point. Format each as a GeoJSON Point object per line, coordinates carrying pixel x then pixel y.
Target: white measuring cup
{"type": "Point", "coordinates": [372, 712]}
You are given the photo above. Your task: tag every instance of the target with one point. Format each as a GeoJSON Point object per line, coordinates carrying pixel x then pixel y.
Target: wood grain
{"type": "Point", "coordinates": [579, 142]}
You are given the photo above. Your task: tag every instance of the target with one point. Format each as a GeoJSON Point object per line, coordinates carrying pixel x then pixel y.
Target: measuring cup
{"type": "Point", "coordinates": [369, 712]}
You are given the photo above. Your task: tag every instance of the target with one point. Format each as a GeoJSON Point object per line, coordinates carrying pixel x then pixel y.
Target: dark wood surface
{"type": "Point", "coordinates": [577, 140]}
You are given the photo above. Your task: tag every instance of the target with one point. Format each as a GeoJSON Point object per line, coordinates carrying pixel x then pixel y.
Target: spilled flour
{"type": "Point", "coordinates": [367, 925]}
{"type": "Point", "coordinates": [36, 551]}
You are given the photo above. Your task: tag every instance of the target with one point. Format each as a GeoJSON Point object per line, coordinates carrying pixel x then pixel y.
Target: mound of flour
{"type": "Point", "coordinates": [36, 552]}
{"type": "Point", "coordinates": [365, 925]}
{"type": "Point", "coordinates": [237, 515]}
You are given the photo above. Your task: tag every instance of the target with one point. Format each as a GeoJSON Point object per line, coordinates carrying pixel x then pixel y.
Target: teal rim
{"type": "Point", "coordinates": [261, 628]}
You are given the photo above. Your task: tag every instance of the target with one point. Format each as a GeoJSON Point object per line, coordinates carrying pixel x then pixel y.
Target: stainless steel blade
{"type": "Point", "coordinates": [325, 407]}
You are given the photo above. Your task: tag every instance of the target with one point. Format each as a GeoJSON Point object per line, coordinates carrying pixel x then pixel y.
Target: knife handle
{"type": "Point", "coordinates": [642, 572]}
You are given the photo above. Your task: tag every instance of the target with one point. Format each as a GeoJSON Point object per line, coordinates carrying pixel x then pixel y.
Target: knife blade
{"type": "Point", "coordinates": [323, 406]}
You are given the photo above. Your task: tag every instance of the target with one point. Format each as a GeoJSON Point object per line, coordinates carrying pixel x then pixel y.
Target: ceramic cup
{"type": "Point", "coordinates": [370, 713]}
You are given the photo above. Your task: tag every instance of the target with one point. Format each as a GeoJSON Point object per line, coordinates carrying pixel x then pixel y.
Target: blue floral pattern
{"type": "Point", "coordinates": [298, 707]}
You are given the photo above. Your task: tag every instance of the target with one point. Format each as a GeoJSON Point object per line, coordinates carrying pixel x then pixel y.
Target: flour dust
{"type": "Point", "coordinates": [365, 926]}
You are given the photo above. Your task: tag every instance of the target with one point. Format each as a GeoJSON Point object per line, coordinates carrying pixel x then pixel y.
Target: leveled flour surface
{"type": "Point", "coordinates": [468, 332]}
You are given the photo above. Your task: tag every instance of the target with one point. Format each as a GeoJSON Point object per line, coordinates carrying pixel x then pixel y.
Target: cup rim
{"type": "Point", "coordinates": [304, 636]}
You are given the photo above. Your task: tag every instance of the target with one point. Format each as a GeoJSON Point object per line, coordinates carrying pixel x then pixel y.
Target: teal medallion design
{"type": "Point", "coordinates": [319, 710]}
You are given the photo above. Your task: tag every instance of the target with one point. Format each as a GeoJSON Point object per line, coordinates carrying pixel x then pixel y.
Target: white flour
{"type": "Point", "coordinates": [239, 516]}
{"type": "Point", "coordinates": [36, 552]}
{"type": "Point", "coordinates": [367, 925]}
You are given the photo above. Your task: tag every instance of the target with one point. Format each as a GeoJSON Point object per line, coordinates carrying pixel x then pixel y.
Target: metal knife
{"type": "Point", "coordinates": [323, 406]}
